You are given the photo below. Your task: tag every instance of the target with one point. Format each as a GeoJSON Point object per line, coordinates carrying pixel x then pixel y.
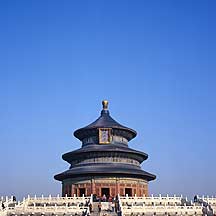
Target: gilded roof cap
{"type": "Point", "coordinates": [105, 104]}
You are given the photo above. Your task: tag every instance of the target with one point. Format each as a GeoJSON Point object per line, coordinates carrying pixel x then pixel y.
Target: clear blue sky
{"type": "Point", "coordinates": [155, 61]}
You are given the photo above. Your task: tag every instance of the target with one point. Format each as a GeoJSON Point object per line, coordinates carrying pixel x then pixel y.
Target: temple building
{"type": "Point", "coordinates": [105, 165]}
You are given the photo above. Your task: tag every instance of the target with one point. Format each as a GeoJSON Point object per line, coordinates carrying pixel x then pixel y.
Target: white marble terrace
{"type": "Point", "coordinates": [128, 206]}
{"type": "Point", "coordinates": [46, 206]}
{"type": "Point", "coordinates": [165, 205]}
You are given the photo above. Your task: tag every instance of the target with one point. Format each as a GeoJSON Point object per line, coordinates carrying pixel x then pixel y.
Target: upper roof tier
{"type": "Point", "coordinates": [105, 121]}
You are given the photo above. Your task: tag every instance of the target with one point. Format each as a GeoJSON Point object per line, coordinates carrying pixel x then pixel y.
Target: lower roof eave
{"type": "Point", "coordinates": [64, 175]}
{"type": "Point", "coordinates": [95, 148]}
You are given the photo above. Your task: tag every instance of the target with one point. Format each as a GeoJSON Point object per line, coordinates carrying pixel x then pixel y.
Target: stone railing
{"type": "Point", "coordinates": [162, 210]}
{"type": "Point", "coordinates": [210, 200]}
{"type": "Point", "coordinates": [160, 205]}
{"type": "Point", "coordinates": [6, 202]}
{"type": "Point", "coordinates": [153, 200]}
{"type": "Point", "coordinates": [49, 206]}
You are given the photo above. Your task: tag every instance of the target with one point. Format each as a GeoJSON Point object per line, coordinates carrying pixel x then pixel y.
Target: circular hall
{"type": "Point", "coordinates": [105, 164]}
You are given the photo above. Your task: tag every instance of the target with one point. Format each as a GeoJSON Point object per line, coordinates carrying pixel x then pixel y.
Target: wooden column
{"type": "Point", "coordinates": [93, 190]}
{"type": "Point", "coordinates": [73, 190]}
{"type": "Point", "coordinates": [137, 188]}
{"type": "Point", "coordinates": [117, 187]}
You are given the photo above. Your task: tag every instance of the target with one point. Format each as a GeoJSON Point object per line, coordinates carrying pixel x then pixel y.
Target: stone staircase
{"type": "Point", "coordinates": [104, 212]}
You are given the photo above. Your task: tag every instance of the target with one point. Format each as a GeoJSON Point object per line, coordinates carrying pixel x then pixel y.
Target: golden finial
{"type": "Point", "coordinates": [105, 104]}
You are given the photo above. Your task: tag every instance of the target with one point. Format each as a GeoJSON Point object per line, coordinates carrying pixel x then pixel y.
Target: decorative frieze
{"type": "Point", "coordinates": [105, 157]}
